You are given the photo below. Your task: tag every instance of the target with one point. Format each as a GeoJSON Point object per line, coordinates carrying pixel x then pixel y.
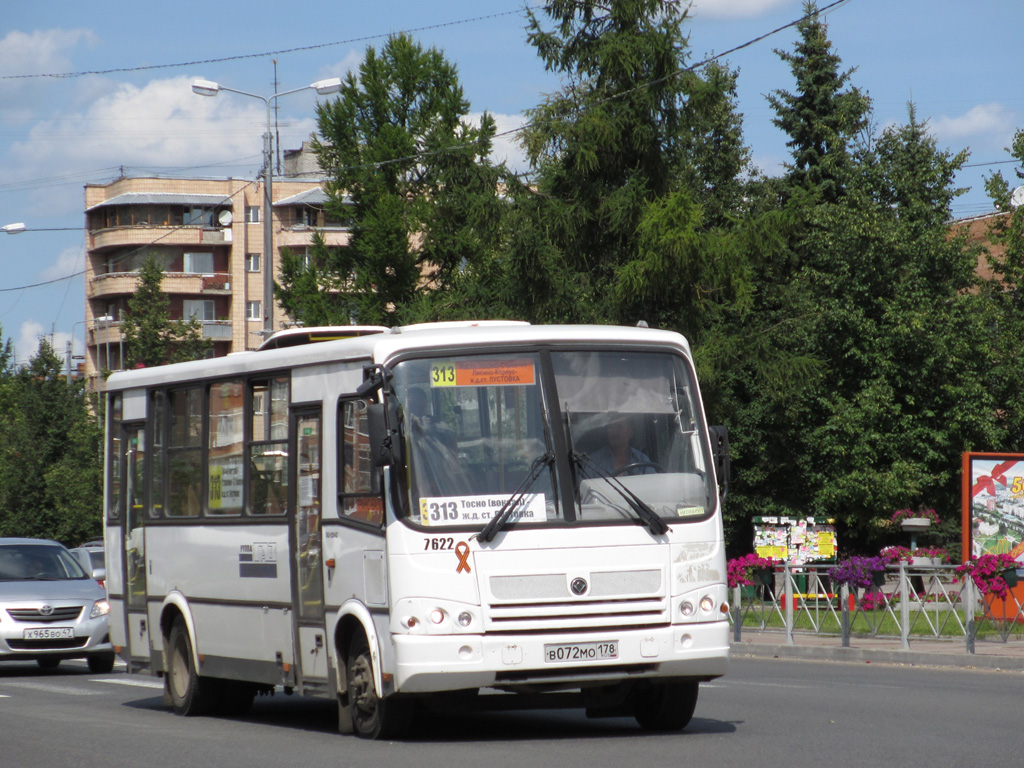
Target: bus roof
{"type": "Point", "coordinates": [379, 346]}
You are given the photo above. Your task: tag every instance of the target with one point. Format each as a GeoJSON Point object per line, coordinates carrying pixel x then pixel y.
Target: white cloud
{"type": "Point", "coordinates": [68, 262]}
{"type": "Point", "coordinates": [162, 124]}
{"type": "Point", "coordinates": [986, 126]}
{"type": "Point", "coordinates": [39, 52]}
{"type": "Point", "coordinates": [340, 69]}
{"type": "Point", "coordinates": [27, 343]}
{"type": "Point", "coordinates": [735, 9]}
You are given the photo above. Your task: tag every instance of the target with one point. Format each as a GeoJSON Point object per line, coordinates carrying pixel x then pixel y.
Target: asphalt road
{"type": "Point", "coordinates": [766, 712]}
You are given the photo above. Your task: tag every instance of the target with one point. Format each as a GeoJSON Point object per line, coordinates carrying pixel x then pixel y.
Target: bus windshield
{"type": "Point", "coordinates": [479, 431]}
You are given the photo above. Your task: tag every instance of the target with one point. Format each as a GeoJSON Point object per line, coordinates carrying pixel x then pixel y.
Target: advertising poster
{"type": "Point", "coordinates": [993, 504]}
{"type": "Point", "coordinates": [797, 540]}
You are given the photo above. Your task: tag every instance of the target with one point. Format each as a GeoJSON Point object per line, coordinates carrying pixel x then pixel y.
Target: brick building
{"type": "Point", "coordinates": [208, 236]}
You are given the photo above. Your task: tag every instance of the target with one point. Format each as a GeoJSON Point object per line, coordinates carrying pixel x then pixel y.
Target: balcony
{"type": "Point", "coordinates": [217, 330]}
{"type": "Point", "coordinates": [108, 331]}
{"type": "Point", "coordinates": [124, 283]}
{"type": "Point", "coordinates": [168, 235]}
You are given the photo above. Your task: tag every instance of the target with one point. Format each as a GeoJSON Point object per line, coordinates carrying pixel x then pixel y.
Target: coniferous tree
{"type": "Point", "coordinates": [150, 336]}
{"type": "Point", "coordinates": [423, 198]}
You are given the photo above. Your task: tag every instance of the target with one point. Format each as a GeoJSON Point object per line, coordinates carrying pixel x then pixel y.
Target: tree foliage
{"type": "Point", "coordinates": [150, 336]}
{"type": "Point", "coordinates": [839, 324]}
{"type": "Point", "coordinates": [412, 171]}
{"type": "Point", "coordinates": [50, 453]}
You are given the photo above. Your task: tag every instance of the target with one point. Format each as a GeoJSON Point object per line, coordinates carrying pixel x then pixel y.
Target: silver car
{"type": "Point", "coordinates": [50, 608]}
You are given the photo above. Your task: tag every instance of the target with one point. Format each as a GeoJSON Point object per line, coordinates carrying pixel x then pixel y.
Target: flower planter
{"type": "Point", "coordinates": [915, 524]}
{"type": "Point", "coordinates": [765, 577]}
{"type": "Point", "coordinates": [926, 561]}
{"type": "Point", "coordinates": [1010, 577]}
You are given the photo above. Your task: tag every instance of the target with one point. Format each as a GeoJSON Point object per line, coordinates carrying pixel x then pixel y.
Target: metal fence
{"type": "Point", "coordinates": [911, 602]}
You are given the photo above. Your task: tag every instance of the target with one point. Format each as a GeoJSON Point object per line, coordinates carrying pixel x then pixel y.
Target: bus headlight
{"type": "Point", "coordinates": [707, 603]}
{"type": "Point", "coordinates": [465, 619]}
{"type": "Point", "coordinates": [437, 616]}
{"type": "Point", "coordinates": [686, 608]}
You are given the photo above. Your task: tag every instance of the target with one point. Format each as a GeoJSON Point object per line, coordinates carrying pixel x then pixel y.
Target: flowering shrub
{"type": "Point", "coordinates": [987, 572]}
{"type": "Point", "coordinates": [938, 552]}
{"type": "Point", "coordinates": [893, 555]}
{"type": "Point", "coordinates": [740, 570]}
{"type": "Point", "coordinates": [870, 601]}
{"type": "Point", "coordinates": [857, 571]}
{"type": "Point", "coordinates": [902, 514]}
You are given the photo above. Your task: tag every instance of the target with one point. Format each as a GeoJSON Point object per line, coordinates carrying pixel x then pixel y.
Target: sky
{"type": "Point", "coordinates": [89, 91]}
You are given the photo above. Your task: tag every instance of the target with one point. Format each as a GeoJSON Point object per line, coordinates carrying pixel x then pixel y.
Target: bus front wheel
{"type": "Point", "coordinates": [666, 706]}
{"type": "Point", "coordinates": [372, 716]}
{"type": "Point", "coordinates": [190, 693]}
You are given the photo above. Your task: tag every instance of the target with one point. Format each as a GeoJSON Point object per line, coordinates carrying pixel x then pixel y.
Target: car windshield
{"type": "Point", "coordinates": [479, 431]}
{"type": "Point", "coordinates": [38, 562]}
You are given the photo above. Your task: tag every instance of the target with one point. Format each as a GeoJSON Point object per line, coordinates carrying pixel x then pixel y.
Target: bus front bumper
{"type": "Point", "coordinates": [428, 663]}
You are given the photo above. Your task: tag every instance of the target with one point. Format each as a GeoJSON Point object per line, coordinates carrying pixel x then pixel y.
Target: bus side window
{"type": "Point", "coordinates": [268, 446]}
{"type": "Point", "coordinates": [359, 496]}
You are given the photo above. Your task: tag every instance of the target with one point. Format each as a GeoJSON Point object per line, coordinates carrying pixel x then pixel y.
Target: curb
{"type": "Point", "coordinates": [880, 656]}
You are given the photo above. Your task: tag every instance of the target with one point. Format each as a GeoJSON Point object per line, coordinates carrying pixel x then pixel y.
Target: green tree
{"type": "Point", "coordinates": [50, 457]}
{"type": "Point", "coordinates": [823, 115]}
{"type": "Point", "coordinates": [150, 336]}
{"type": "Point", "coordinates": [423, 196]}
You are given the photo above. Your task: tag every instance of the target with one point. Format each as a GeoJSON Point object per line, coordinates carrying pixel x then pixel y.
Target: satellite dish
{"type": "Point", "coordinates": [1017, 198]}
{"type": "Point", "coordinates": [225, 218]}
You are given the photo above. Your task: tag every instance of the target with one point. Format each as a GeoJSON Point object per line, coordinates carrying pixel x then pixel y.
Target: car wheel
{"type": "Point", "coordinates": [48, 663]}
{"type": "Point", "coordinates": [666, 706]}
{"type": "Point", "coordinates": [101, 663]}
{"type": "Point", "coordinates": [190, 693]}
{"type": "Point", "coordinates": [372, 716]}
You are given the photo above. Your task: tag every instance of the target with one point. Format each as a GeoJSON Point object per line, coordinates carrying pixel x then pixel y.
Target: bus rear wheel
{"type": "Point", "coordinates": [190, 693]}
{"type": "Point", "coordinates": [666, 706]}
{"type": "Point", "coordinates": [372, 716]}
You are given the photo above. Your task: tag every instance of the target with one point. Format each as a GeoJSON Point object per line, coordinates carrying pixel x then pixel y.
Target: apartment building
{"type": "Point", "coordinates": [208, 236]}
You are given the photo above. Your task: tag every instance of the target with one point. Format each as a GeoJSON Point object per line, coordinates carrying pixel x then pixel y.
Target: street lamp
{"type": "Point", "coordinates": [13, 229]}
{"type": "Point", "coordinates": [322, 87]}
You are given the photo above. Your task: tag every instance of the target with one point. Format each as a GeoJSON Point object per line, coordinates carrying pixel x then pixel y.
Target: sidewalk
{"type": "Point", "coordinates": [987, 654]}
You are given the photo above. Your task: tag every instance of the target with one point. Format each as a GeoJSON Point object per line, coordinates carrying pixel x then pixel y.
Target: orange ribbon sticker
{"type": "Point", "coordinates": [462, 550]}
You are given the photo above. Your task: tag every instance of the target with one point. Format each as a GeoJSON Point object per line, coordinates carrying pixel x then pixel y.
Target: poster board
{"type": "Point", "coordinates": [797, 540]}
{"type": "Point", "coordinates": [993, 504]}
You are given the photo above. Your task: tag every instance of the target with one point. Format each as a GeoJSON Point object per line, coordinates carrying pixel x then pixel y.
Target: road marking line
{"type": "Point", "coordinates": [126, 681]}
{"type": "Point", "coordinates": [49, 688]}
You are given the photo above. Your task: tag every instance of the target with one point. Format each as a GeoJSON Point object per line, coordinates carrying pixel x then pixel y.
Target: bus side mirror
{"type": "Point", "coordinates": [723, 463]}
{"type": "Point", "coordinates": [382, 420]}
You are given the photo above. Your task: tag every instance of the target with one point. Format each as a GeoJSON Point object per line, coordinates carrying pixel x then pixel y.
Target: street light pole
{"type": "Point", "coordinates": [322, 87]}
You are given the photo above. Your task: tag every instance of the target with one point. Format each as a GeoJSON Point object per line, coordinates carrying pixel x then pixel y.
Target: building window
{"type": "Point", "coordinates": [200, 309]}
{"type": "Point", "coordinates": [253, 310]}
{"type": "Point", "coordinates": [252, 262]}
{"type": "Point", "coordinates": [252, 214]}
{"type": "Point", "coordinates": [198, 263]}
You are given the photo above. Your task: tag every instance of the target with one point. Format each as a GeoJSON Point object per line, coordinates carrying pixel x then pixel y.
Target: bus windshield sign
{"type": "Point", "coordinates": [463, 510]}
{"type": "Point", "coordinates": [481, 373]}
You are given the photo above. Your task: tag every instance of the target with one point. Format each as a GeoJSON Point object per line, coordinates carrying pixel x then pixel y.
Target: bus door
{"type": "Point", "coordinates": [134, 559]}
{"type": "Point", "coordinates": [307, 546]}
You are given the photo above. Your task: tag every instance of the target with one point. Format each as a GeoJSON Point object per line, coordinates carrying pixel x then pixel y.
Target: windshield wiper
{"type": "Point", "coordinates": [491, 529]}
{"type": "Point", "coordinates": [641, 508]}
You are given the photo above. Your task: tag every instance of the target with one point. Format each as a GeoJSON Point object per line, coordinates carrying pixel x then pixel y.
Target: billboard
{"type": "Point", "coordinates": [993, 504]}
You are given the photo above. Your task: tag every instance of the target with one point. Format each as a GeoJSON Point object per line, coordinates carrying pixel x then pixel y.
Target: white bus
{"type": "Point", "coordinates": [492, 515]}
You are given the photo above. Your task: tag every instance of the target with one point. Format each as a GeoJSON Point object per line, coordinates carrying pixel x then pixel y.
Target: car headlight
{"type": "Point", "coordinates": [99, 608]}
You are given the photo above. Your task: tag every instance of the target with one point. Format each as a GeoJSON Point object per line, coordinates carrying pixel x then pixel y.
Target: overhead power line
{"type": "Point", "coordinates": [239, 57]}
